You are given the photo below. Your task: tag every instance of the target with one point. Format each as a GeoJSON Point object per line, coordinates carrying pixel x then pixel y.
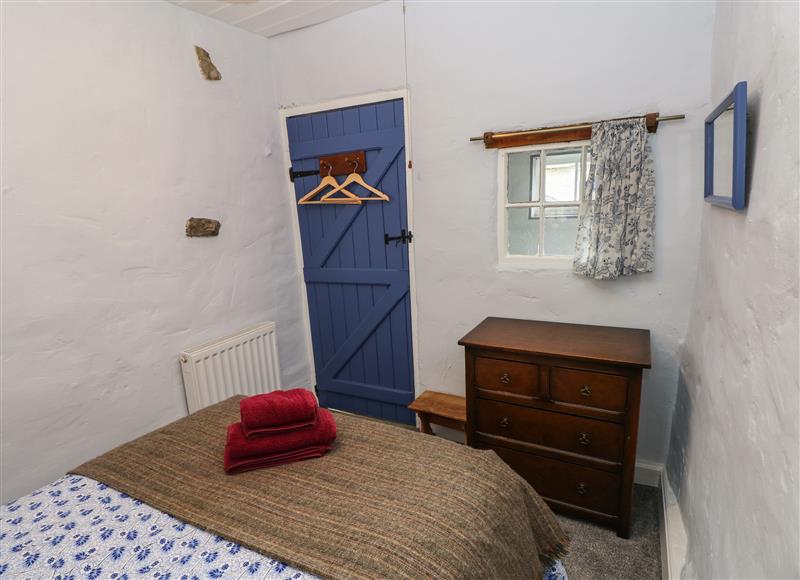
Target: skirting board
{"type": "Point", "coordinates": [671, 529]}
{"type": "Point", "coordinates": [648, 473]}
{"type": "Point", "coordinates": [672, 533]}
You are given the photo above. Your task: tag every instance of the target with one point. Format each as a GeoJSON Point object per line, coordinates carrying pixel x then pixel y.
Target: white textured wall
{"type": "Point", "coordinates": [480, 66]}
{"type": "Point", "coordinates": [734, 445]}
{"type": "Point", "coordinates": [111, 140]}
{"type": "Point", "coordinates": [352, 55]}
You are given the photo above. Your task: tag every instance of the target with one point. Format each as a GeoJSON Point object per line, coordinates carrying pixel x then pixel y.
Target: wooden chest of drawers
{"type": "Point", "coordinates": [560, 404]}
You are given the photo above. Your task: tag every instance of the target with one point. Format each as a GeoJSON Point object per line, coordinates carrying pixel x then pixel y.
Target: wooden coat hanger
{"type": "Point", "coordinates": [358, 180]}
{"type": "Point", "coordinates": [329, 181]}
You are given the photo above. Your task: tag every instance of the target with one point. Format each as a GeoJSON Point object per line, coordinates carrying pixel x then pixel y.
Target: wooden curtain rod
{"type": "Point", "coordinates": [564, 133]}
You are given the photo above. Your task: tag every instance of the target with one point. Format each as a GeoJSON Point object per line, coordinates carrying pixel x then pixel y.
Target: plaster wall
{"type": "Point", "coordinates": [111, 139]}
{"type": "Point", "coordinates": [733, 456]}
{"type": "Point", "coordinates": [352, 55]}
{"type": "Point", "coordinates": [462, 85]}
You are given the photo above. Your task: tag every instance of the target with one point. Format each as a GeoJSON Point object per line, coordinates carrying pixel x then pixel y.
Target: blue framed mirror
{"type": "Point", "coordinates": [726, 151]}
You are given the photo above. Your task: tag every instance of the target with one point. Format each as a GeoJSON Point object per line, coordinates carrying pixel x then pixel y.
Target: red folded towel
{"type": "Point", "coordinates": [264, 431]}
{"type": "Point", "coordinates": [241, 451]}
{"type": "Point", "coordinates": [238, 465]}
{"type": "Point", "coordinates": [278, 412]}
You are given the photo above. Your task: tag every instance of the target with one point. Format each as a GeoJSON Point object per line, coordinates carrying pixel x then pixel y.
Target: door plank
{"type": "Point", "coordinates": [354, 275]}
{"type": "Point", "coordinates": [371, 392]}
{"type": "Point", "coordinates": [306, 148]}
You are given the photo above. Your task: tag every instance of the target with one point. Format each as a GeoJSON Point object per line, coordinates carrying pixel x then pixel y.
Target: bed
{"type": "Point", "coordinates": [139, 511]}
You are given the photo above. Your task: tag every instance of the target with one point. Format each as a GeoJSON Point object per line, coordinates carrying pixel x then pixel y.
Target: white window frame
{"type": "Point", "coordinates": [512, 261]}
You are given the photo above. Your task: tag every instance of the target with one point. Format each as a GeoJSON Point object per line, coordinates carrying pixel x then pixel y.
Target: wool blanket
{"type": "Point", "coordinates": [386, 502]}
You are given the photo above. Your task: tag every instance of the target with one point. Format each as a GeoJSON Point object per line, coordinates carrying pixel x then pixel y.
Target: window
{"type": "Point", "coordinates": [540, 192]}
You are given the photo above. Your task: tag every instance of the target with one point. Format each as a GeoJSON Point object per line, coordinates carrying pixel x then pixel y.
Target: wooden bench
{"type": "Point", "coordinates": [440, 409]}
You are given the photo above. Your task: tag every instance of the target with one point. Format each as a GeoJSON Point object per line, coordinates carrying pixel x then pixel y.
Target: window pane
{"type": "Point", "coordinates": [560, 230]}
{"type": "Point", "coordinates": [523, 231]}
{"type": "Point", "coordinates": [562, 175]}
{"type": "Point", "coordinates": [523, 177]}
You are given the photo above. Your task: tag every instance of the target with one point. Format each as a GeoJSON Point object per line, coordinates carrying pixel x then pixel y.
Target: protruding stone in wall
{"type": "Point", "coordinates": [202, 227]}
{"type": "Point", "coordinates": [207, 67]}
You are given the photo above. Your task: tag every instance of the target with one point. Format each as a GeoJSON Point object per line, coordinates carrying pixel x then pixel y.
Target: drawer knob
{"type": "Point", "coordinates": [581, 489]}
{"type": "Point", "coordinates": [583, 439]}
{"type": "Point", "coordinates": [505, 378]}
{"type": "Point", "coordinates": [505, 422]}
{"type": "Point", "coordinates": [586, 391]}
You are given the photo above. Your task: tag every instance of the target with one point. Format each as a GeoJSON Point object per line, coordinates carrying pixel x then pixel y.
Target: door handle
{"type": "Point", "coordinates": [403, 238]}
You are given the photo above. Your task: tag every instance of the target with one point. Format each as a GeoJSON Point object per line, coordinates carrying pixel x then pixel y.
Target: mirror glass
{"type": "Point", "coordinates": [723, 154]}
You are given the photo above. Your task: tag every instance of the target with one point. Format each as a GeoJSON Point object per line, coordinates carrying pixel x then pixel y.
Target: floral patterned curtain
{"type": "Point", "coordinates": [617, 215]}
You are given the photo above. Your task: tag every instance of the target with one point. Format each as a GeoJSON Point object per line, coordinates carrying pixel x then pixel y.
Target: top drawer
{"type": "Point", "coordinates": [508, 376]}
{"type": "Point", "coordinates": [590, 389]}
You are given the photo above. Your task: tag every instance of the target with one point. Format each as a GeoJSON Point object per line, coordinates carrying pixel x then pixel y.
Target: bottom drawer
{"type": "Point", "coordinates": [574, 484]}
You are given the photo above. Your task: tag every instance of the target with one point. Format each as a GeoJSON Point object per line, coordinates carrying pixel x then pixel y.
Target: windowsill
{"type": "Point", "coordinates": [516, 264]}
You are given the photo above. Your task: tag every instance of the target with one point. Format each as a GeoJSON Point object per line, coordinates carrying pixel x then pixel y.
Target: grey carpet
{"type": "Point", "coordinates": [596, 553]}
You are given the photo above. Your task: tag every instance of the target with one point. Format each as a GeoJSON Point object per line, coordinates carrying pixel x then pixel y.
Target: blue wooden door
{"type": "Point", "coordinates": [357, 285]}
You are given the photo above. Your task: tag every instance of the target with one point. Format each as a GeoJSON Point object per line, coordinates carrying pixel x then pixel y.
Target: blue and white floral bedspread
{"type": "Point", "coordinates": [76, 528]}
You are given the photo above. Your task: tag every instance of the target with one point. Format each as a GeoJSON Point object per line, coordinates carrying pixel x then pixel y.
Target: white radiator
{"type": "Point", "coordinates": [245, 363]}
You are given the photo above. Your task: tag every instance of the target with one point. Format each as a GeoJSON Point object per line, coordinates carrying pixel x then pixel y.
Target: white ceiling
{"type": "Point", "coordinates": [271, 17]}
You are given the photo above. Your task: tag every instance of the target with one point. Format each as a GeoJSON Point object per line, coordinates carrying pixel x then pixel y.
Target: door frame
{"type": "Point", "coordinates": [354, 101]}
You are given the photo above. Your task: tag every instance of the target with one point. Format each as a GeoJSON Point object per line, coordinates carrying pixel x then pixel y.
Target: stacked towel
{"type": "Point", "coordinates": [278, 428]}
{"type": "Point", "coordinates": [243, 453]}
{"type": "Point", "coordinates": [278, 412]}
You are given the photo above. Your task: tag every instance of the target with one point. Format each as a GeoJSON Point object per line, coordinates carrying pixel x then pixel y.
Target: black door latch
{"type": "Point", "coordinates": [295, 174]}
{"type": "Point", "coordinates": [403, 238]}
